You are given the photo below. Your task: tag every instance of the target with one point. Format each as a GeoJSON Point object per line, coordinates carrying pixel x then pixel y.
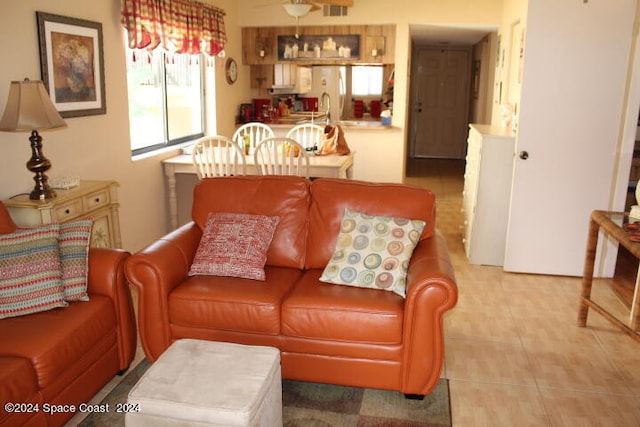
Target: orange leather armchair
{"type": "Point", "coordinates": [326, 333]}
{"type": "Point", "coordinates": [60, 358]}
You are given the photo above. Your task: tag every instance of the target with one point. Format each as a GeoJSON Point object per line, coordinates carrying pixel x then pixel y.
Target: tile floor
{"type": "Point", "coordinates": [514, 355]}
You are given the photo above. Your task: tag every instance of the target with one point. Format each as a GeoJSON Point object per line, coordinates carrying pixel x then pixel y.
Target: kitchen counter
{"type": "Point", "coordinates": [286, 122]}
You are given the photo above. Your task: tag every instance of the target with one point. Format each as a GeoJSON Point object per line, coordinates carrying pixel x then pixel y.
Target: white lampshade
{"type": "Point", "coordinates": [297, 10]}
{"type": "Point", "coordinates": [29, 108]}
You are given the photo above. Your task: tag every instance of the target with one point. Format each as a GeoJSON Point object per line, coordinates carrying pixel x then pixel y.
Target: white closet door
{"type": "Point", "coordinates": [574, 76]}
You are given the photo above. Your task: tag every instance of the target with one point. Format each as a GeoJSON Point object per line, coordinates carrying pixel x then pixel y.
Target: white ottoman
{"type": "Point", "coordinates": [204, 383]}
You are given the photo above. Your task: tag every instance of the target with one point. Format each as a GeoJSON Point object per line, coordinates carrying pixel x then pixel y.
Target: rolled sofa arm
{"type": "Point", "coordinates": [106, 277]}
{"type": "Point", "coordinates": [155, 271]}
{"type": "Point", "coordinates": [431, 291]}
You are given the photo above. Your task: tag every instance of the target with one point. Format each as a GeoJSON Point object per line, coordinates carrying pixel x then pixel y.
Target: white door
{"type": "Point", "coordinates": [574, 76]}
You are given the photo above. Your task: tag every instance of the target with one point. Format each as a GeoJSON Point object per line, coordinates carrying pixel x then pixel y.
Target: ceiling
{"type": "Point", "coordinates": [440, 34]}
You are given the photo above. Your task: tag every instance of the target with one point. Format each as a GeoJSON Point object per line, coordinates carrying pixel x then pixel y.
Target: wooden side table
{"type": "Point", "coordinates": [91, 199]}
{"type": "Point", "coordinates": [611, 224]}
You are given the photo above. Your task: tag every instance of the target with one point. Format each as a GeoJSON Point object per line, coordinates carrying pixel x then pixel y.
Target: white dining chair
{"type": "Point", "coordinates": [309, 135]}
{"type": "Point", "coordinates": [255, 131]}
{"type": "Point", "coordinates": [218, 156]}
{"type": "Point", "coordinates": [281, 156]}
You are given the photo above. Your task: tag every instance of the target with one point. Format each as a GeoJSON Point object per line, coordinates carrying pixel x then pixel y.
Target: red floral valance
{"type": "Point", "coordinates": [180, 26]}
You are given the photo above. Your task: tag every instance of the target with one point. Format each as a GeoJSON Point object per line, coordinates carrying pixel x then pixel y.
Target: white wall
{"type": "Point", "coordinates": [98, 147]}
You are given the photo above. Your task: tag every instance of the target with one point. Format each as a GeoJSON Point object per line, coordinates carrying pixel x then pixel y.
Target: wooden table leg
{"type": "Point", "coordinates": [634, 318]}
{"type": "Point", "coordinates": [587, 277]}
{"type": "Point", "coordinates": [173, 198]}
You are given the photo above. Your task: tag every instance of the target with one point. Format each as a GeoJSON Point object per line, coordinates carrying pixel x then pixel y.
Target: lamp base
{"type": "Point", "coordinates": [39, 164]}
{"type": "Point", "coordinates": [42, 193]}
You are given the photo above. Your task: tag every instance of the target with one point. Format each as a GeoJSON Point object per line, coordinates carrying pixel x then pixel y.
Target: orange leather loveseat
{"type": "Point", "coordinates": [326, 332]}
{"type": "Point", "coordinates": [52, 361]}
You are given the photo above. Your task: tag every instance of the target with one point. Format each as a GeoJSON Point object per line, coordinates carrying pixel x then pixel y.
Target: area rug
{"type": "Point", "coordinates": [321, 405]}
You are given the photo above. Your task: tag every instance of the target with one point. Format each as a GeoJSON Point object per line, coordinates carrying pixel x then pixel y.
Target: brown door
{"type": "Point", "coordinates": [440, 102]}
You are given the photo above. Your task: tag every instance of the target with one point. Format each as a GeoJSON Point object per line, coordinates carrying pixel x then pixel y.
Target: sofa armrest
{"type": "Point", "coordinates": [155, 272]}
{"type": "Point", "coordinates": [106, 277]}
{"type": "Point", "coordinates": [431, 291]}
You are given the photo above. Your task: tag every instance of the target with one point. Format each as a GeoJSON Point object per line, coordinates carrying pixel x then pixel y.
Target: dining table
{"type": "Point", "coordinates": [328, 166]}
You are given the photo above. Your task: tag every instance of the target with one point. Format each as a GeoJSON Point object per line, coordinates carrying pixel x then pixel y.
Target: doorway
{"type": "Point", "coordinates": [439, 102]}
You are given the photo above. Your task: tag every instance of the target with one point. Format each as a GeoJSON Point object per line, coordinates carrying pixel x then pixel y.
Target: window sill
{"type": "Point", "coordinates": [174, 149]}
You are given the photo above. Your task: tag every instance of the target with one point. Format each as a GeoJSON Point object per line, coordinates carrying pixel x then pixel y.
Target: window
{"type": "Point", "coordinates": [366, 80]}
{"type": "Point", "coordinates": [166, 99]}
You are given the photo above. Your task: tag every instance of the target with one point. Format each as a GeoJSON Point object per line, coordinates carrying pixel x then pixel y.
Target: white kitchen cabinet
{"type": "Point", "coordinates": [289, 79]}
{"type": "Point", "coordinates": [284, 74]}
{"type": "Point", "coordinates": [487, 191]}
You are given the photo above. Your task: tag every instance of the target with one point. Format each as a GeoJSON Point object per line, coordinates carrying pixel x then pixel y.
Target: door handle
{"type": "Point", "coordinates": [524, 155]}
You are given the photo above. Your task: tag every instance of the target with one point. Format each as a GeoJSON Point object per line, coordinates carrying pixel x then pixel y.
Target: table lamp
{"type": "Point", "coordinates": [29, 108]}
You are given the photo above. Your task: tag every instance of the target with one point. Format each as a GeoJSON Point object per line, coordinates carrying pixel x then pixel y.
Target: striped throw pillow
{"type": "Point", "coordinates": [74, 241]}
{"type": "Point", "coordinates": [30, 271]}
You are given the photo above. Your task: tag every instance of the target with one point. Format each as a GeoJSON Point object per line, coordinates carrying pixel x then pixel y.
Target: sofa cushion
{"type": "Point", "coordinates": [232, 304]}
{"type": "Point", "coordinates": [373, 252]}
{"type": "Point", "coordinates": [18, 382]}
{"type": "Point", "coordinates": [317, 310]}
{"type": "Point", "coordinates": [330, 197]}
{"type": "Point", "coordinates": [284, 196]}
{"type": "Point", "coordinates": [235, 245]}
{"type": "Point", "coordinates": [56, 339]}
{"type": "Point", "coordinates": [74, 240]}
{"type": "Point", "coordinates": [30, 271]}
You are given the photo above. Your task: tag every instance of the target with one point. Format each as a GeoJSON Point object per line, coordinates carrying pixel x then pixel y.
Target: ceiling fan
{"type": "Point", "coordinates": [300, 8]}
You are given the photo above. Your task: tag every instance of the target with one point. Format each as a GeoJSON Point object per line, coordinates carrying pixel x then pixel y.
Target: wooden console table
{"type": "Point", "coordinates": [610, 223]}
{"type": "Point", "coordinates": [319, 167]}
{"type": "Point", "coordinates": [91, 199]}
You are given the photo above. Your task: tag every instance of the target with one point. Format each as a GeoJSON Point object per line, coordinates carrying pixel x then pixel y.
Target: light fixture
{"type": "Point", "coordinates": [29, 108]}
{"type": "Point", "coordinates": [261, 46]}
{"type": "Point", "coordinates": [297, 9]}
{"type": "Point", "coordinates": [375, 45]}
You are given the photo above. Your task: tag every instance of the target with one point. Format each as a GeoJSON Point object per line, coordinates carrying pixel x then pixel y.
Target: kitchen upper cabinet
{"type": "Point", "coordinates": [286, 75]}
{"type": "Point", "coordinates": [262, 76]}
{"type": "Point", "coordinates": [259, 46]}
{"type": "Point", "coordinates": [377, 43]}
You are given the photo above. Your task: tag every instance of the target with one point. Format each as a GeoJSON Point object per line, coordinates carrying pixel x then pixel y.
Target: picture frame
{"type": "Point", "coordinates": [72, 64]}
{"type": "Point", "coordinates": [329, 47]}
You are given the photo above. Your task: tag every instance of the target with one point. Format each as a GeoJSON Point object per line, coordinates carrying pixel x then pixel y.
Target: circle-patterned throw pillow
{"type": "Point", "coordinates": [373, 252]}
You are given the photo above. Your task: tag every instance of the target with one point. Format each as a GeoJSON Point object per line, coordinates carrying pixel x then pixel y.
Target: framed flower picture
{"type": "Point", "coordinates": [72, 64]}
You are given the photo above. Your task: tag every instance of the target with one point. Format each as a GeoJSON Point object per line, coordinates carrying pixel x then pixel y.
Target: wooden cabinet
{"type": "Point", "coordinates": [486, 194]}
{"type": "Point", "coordinates": [381, 41]}
{"type": "Point", "coordinates": [261, 76]}
{"type": "Point", "coordinates": [91, 199]}
{"type": "Point", "coordinates": [259, 45]}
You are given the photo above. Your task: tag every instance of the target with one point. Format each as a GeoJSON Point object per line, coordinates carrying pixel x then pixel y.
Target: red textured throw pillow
{"type": "Point", "coordinates": [234, 244]}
